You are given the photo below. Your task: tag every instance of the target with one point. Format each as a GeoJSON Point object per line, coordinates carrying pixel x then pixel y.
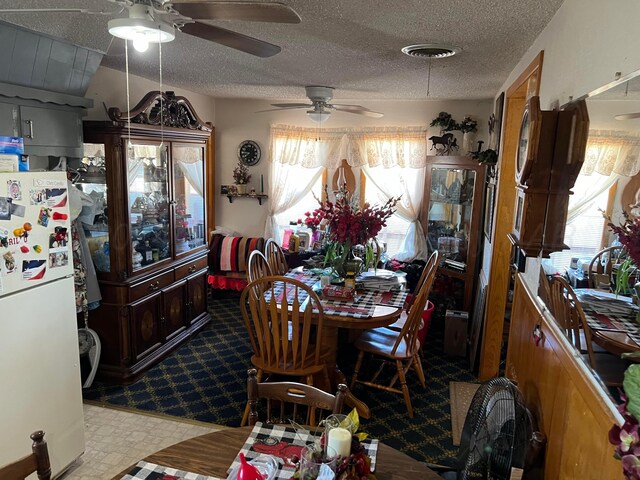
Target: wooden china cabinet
{"type": "Point", "coordinates": [451, 218]}
{"type": "Point", "coordinates": [149, 237]}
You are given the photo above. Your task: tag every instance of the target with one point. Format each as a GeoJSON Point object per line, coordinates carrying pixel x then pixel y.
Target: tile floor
{"type": "Point", "coordinates": [116, 439]}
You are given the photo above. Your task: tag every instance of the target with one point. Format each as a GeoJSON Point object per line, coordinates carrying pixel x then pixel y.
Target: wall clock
{"type": "Point", "coordinates": [249, 152]}
{"type": "Point", "coordinates": [529, 139]}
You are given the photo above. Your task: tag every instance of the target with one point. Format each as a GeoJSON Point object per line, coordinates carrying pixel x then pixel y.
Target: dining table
{"type": "Point", "coordinates": [612, 320]}
{"type": "Point", "coordinates": [370, 309]}
{"type": "Point", "coordinates": [212, 455]}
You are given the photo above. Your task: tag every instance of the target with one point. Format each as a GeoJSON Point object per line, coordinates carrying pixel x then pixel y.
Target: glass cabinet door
{"type": "Point", "coordinates": [188, 194]}
{"type": "Point", "coordinates": [450, 214]}
{"type": "Point", "coordinates": [91, 179]}
{"type": "Point", "coordinates": [147, 167]}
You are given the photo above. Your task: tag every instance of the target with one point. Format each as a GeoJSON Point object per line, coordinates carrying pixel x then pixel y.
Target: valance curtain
{"type": "Point", "coordinates": [383, 153]}
{"type": "Point", "coordinates": [610, 151]}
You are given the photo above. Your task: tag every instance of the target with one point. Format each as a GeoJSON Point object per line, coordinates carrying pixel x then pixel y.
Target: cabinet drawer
{"type": "Point", "coordinates": [154, 284]}
{"type": "Point", "coordinates": [190, 267]}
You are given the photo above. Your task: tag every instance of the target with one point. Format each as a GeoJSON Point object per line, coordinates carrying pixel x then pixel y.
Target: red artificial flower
{"type": "Point", "coordinates": [629, 235]}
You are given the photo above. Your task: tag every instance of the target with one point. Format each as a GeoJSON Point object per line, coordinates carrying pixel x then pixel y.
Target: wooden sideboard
{"type": "Point", "coordinates": [571, 408]}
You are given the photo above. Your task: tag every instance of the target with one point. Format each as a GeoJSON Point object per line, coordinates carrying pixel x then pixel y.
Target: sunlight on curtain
{"type": "Point", "coordinates": [610, 152]}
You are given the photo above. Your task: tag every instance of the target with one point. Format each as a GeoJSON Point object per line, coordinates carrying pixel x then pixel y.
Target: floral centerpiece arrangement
{"type": "Point", "coordinates": [629, 236]}
{"type": "Point", "coordinates": [468, 125]}
{"type": "Point", "coordinates": [349, 225]}
{"type": "Point", "coordinates": [626, 438]}
{"type": "Point", "coordinates": [357, 466]}
{"type": "Point", "coordinates": [445, 122]}
{"type": "Point", "coordinates": [241, 174]}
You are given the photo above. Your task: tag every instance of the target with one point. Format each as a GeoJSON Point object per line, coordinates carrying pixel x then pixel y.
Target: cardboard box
{"type": "Point", "coordinates": [455, 332]}
{"type": "Point", "coordinates": [11, 153]}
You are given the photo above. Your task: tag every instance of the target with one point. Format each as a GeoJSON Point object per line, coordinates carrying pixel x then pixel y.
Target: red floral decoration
{"type": "Point", "coordinates": [629, 235]}
{"type": "Point", "coordinates": [347, 223]}
{"type": "Point", "coordinates": [627, 442]}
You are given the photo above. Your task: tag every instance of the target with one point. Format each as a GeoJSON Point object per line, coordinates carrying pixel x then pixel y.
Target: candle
{"type": "Point", "coordinates": [261, 183]}
{"type": "Point", "coordinates": [340, 441]}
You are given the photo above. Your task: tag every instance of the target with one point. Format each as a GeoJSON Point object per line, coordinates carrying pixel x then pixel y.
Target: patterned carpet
{"type": "Point", "coordinates": [206, 380]}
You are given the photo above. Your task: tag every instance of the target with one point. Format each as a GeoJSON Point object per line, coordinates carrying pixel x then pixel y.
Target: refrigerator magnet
{"type": "Point", "coordinates": [14, 189]}
{"type": "Point", "coordinates": [33, 269]}
{"type": "Point", "coordinates": [38, 196]}
{"type": "Point", "coordinates": [59, 238]}
{"type": "Point", "coordinates": [9, 262]}
{"type": "Point", "coordinates": [43, 216]}
{"type": "Point", "coordinates": [5, 208]}
{"type": "Point", "coordinates": [58, 259]}
{"type": "Point", "coordinates": [56, 197]}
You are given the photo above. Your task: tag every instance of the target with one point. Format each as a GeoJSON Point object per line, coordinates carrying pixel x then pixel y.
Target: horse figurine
{"type": "Point", "coordinates": [448, 142]}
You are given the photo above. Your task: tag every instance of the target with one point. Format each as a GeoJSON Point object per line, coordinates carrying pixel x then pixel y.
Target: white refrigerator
{"type": "Point", "coordinates": [39, 360]}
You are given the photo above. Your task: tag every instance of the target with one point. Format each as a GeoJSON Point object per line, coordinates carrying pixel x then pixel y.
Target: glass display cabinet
{"type": "Point", "coordinates": [148, 233]}
{"type": "Point", "coordinates": [453, 199]}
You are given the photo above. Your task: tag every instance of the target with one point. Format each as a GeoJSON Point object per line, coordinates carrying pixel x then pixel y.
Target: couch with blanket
{"type": "Point", "coordinates": [228, 256]}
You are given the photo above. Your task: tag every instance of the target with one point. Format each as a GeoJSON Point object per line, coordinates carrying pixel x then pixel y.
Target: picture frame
{"type": "Point", "coordinates": [488, 209]}
{"type": "Point", "coordinates": [224, 190]}
{"type": "Point", "coordinates": [499, 108]}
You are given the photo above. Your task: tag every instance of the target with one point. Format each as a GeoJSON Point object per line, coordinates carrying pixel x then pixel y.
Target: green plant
{"type": "Point", "coordinates": [486, 157]}
{"type": "Point", "coordinates": [467, 125]}
{"type": "Point", "coordinates": [241, 174]}
{"type": "Point", "coordinates": [445, 122]}
{"type": "Point", "coordinates": [625, 272]}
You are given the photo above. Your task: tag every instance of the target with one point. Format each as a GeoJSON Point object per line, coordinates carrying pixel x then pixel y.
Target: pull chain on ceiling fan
{"type": "Point", "coordinates": [146, 18]}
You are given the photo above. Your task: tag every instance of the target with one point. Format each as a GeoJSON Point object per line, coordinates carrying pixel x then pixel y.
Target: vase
{"type": "Point", "coordinates": [241, 188]}
{"type": "Point", "coordinates": [346, 262]}
{"type": "Point", "coordinates": [468, 143]}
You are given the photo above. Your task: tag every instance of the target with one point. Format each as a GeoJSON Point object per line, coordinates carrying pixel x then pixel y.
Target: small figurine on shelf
{"type": "Point", "coordinates": [241, 177]}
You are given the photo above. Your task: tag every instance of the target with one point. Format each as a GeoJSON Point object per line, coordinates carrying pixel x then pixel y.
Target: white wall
{"type": "Point", "coordinates": [108, 86]}
{"type": "Point", "coordinates": [585, 44]}
{"type": "Point", "coordinates": [236, 120]}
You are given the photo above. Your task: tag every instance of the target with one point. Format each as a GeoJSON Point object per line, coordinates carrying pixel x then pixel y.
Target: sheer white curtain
{"type": "Point", "coordinates": [394, 160]}
{"type": "Point", "coordinates": [610, 151]}
{"type": "Point", "coordinates": [297, 159]}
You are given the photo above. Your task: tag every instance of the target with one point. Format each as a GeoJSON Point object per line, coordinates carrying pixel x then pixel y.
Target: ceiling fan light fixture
{"type": "Point", "coordinates": [318, 117]}
{"type": "Point", "coordinates": [141, 29]}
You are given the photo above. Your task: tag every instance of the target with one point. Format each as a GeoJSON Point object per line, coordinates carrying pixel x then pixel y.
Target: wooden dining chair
{"type": "Point", "coordinates": [601, 267]}
{"type": "Point", "coordinates": [425, 283]}
{"type": "Point", "coordinates": [400, 348]}
{"type": "Point", "coordinates": [37, 461]}
{"type": "Point", "coordinates": [288, 396]}
{"type": "Point", "coordinates": [275, 257]}
{"type": "Point", "coordinates": [568, 312]}
{"type": "Point", "coordinates": [284, 328]}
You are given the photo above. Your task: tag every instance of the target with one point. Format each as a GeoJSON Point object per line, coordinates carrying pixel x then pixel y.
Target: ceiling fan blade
{"type": "Point", "coordinates": [282, 108]}
{"type": "Point", "coordinates": [627, 116]}
{"type": "Point", "coordinates": [358, 111]}
{"type": "Point", "coordinates": [231, 39]}
{"type": "Point", "coordinates": [275, 12]}
{"type": "Point", "coordinates": [292, 105]}
{"type": "Point", "coordinates": [55, 10]}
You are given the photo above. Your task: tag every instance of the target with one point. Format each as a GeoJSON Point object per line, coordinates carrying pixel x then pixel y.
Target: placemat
{"type": "Point", "coordinates": [391, 299]}
{"type": "Point", "coordinates": [362, 307]}
{"type": "Point", "coordinates": [151, 471]}
{"type": "Point", "coordinates": [284, 442]}
{"type": "Point", "coordinates": [308, 279]}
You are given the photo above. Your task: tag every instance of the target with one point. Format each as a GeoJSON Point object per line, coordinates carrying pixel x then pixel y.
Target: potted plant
{"type": "Point", "coordinates": [629, 236]}
{"type": "Point", "coordinates": [445, 122]}
{"type": "Point", "coordinates": [241, 177]}
{"type": "Point", "coordinates": [468, 127]}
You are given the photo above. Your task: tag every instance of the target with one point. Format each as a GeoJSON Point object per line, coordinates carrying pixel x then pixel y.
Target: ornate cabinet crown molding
{"type": "Point", "coordinates": [162, 107]}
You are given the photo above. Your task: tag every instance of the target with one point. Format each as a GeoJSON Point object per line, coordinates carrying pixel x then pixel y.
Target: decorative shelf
{"type": "Point", "coordinates": [258, 196]}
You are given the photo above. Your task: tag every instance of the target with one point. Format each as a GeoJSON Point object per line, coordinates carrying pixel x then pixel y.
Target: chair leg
{"type": "Point", "coordinates": [357, 369]}
{"type": "Point", "coordinates": [247, 409]}
{"type": "Point", "coordinates": [405, 388]}
{"type": "Point", "coordinates": [417, 362]}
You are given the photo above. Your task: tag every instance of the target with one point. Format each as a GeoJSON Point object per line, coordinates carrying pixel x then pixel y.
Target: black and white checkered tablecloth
{"type": "Point", "coordinates": [151, 471]}
{"type": "Point", "coordinates": [616, 315]}
{"type": "Point", "coordinates": [308, 279]}
{"type": "Point", "coordinates": [285, 442]}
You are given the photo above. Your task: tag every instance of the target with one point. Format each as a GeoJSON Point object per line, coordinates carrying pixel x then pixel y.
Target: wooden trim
{"type": "Point", "coordinates": [210, 176]}
{"type": "Point", "coordinates": [363, 187]}
{"type": "Point", "coordinates": [500, 275]}
{"type": "Point", "coordinates": [534, 70]}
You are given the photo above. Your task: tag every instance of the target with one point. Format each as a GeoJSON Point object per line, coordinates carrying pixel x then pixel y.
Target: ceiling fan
{"type": "Point", "coordinates": [321, 107]}
{"type": "Point", "coordinates": [156, 21]}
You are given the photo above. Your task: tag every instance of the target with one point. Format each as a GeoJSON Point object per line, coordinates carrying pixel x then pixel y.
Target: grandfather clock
{"type": "Point", "coordinates": [550, 154]}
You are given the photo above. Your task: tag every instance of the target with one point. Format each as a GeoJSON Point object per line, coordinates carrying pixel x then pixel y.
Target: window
{"type": "Point", "coordinates": [396, 230]}
{"type": "Point", "coordinates": [308, 203]}
{"type": "Point", "coordinates": [584, 233]}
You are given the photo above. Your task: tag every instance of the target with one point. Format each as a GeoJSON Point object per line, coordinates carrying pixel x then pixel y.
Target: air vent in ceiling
{"type": "Point", "coordinates": [430, 50]}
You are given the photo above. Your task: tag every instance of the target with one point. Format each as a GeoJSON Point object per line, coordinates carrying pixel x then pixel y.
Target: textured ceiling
{"type": "Point", "coordinates": [352, 45]}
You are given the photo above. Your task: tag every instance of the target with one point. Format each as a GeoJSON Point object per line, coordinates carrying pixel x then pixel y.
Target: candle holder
{"type": "Point", "coordinates": [314, 461]}
{"type": "Point", "coordinates": [338, 430]}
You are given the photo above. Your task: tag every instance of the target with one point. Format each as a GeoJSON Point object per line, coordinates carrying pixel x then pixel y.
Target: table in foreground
{"type": "Point", "coordinates": [213, 453]}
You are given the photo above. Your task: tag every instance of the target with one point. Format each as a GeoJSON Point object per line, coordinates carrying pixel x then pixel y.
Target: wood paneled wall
{"type": "Point", "coordinates": [564, 398]}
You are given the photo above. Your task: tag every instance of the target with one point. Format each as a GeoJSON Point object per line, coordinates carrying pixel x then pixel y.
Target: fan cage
{"type": "Point", "coordinates": [496, 432]}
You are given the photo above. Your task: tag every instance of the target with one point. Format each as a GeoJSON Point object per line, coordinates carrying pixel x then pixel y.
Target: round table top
{"type": "Point", "coordinates": [212, 454]}
{"type": "Point", "coordinates": [382, 316]}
